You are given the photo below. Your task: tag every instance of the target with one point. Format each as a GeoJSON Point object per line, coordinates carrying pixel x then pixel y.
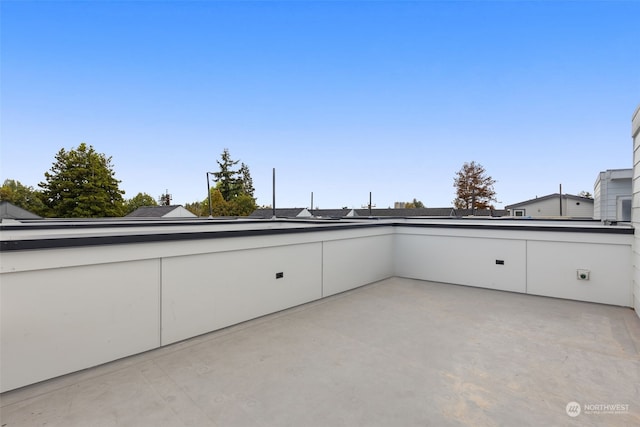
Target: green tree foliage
{"type": "Point", "coordinates": [413, 205]}
{"type": "Point", "coordinates": [585, 194]}
{"type": "Point", "coordinates": [245, 180]}
{"type": "Point", "coordinates": [474, 188]}
{"type": "Point", "coordinates": [138, 201]}
{"type": "Point", "coordinates": [243, 205]}
{"type": "Point", "coordinates": [196, 208]}
{"type": "Point", "coordinates": [81, 184]}
{"type": "Point", "coordinates": [228, 178]}
{"type": "Point", "coordinates": [23, 196]}
{"type": "Point", "coordinates": [233, 193]}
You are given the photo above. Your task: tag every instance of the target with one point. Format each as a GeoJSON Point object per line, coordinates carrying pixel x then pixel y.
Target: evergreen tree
{"type": "Point", "coordinates": [246, 181]}
{"type": "Point", "coordinates": [81, 184]}
{"type": "Point", "coordinates": [227, 178]}
{"type": "Point", "coordinates": [233, 193]}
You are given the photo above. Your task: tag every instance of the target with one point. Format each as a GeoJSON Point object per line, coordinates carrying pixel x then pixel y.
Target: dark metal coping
{"type": "Point", "coordinates": [68, 242]}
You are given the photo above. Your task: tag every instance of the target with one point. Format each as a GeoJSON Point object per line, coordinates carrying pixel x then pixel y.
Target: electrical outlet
{"type": "Point", "coordinates": [583, 274]}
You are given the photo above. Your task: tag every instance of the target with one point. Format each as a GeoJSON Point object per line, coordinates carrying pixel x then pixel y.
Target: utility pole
{"type": "Point", "coordinates": [209, 194]}
{"type": "Point", "coordinates": [560, 199]}
{"type": "Point", "coordinates": [274, 192]}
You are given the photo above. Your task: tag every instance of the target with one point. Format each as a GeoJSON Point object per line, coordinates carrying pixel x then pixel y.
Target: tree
{"type": "Point", "coordinates": [196, 208]}
{"type": "Point", "coordinates": [23, 196]}
{"type": "Point", "coordinates": [245, 180]}
{"type": "Point", "coordinates": [138, 201]}
{"type": "Point", "coordinates": [243, 205]}
{"type": "Point", "coordinates": [233, 193]}
{"type": "Point", "coordinates": [474, 188]}
{"type": "Point", "coordinates": [413, 205]}
{"type": "Point", "coordinates": [585, 194]}
{"type": "Point", "coordinates": [227, 178]}
{"type": "Point", "coordinates": [82, 184]}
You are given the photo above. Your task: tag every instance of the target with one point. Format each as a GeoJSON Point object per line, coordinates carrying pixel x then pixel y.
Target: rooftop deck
{"type": "Point", "coordinates": [398, 352]}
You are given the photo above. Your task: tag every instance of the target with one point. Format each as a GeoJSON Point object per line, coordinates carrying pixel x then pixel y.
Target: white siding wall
{"type": "Point", "coordinates": [577, 209]}
{"type": "Point", "coordinates": [610, 186]}
{"type": "Point", "coordinates": [635, 210]}
{"type": "Point", "coordinates": [598, 194]}
{"type": "Point", "coordinates": [551, 208]}
{"type": "Point", "coordinates": [548, 207]}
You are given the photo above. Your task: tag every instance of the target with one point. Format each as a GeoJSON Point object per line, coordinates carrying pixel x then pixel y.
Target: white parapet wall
{"type": "Point", "coordinates": [635, 206]}
{"type": "Point", "coordinates": [76, 295]}
{"type": "Point", "coordinates": [541, 261]}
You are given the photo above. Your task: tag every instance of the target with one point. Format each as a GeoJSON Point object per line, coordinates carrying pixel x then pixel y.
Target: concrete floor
{"type": "Point", "coordinates": [395, 353]}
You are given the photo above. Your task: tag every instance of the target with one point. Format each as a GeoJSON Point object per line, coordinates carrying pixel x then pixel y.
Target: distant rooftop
{"type": "Point", "coordinates": [10, 211]}
{"type": "Point", "coordinates": [376, 212]}
{"type": "Point", "coordinates": [549, 197]}
{"type": "Point", "coordinates": [175, 211]}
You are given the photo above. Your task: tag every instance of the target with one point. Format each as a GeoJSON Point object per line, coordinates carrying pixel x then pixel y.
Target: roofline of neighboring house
{"type": "Point", "coordinates": [548, 197]}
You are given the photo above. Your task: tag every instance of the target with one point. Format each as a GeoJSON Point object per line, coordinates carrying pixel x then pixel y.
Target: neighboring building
{"type": "Point", "coordinates": [176, 211]}
{"type": "Point", "coordinates": [430, 212]}
{"type": "Point", "coordinates": [10, 211]}
{"type": "Point", "coordinates": [267, 213]}
{"type": "Point", "coordinates": [549, 206]}
{"type": "Point", "coordinates": [333, 213]}
{"type": "Point", "coordinates": [612, 195]}
{"type": "Point", "coordinates": [398, 213]}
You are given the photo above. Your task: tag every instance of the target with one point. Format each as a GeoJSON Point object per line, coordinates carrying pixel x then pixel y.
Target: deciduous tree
{"type": "Point", "coordinates": [474, 188]}
{"type": "Point", "coordinates": [413, 205]}
{"type": "Point", "coordinates": [23, 196]}
{"type": "Point", "coordinates": [138, 201]}
{"type": "Point", "coordinates": [82, 184]}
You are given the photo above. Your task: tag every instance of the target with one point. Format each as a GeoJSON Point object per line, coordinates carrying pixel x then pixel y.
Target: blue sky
{"type": "Point", "coordinates": [342, 98]}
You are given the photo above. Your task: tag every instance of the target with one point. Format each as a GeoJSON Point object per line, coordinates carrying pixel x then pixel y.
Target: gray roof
{"type": "Point", "coordinates": [10, 211]}
{"type": "Point", "coordinates": [266, 213]}
{"type": "Point", "coordinates": [152, 211]}
{"type": "Point", "coordinates": [332, 213]}
{"type": "Point", "coordinates": [341, 213]}
{"type": "Point", "coordinates": [444, 212]}
{"type": "Point", "coordinates": [550, 196]}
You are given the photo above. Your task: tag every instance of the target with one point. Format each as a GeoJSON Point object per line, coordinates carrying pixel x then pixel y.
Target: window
{"type": "Point", "coordinates": [623, 208]}
{"type": "Point", "coordinates": [518, 212]}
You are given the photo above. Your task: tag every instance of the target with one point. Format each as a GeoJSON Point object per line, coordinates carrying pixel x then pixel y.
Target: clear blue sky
{"type": "Point", "coordinates": [342, 98]}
